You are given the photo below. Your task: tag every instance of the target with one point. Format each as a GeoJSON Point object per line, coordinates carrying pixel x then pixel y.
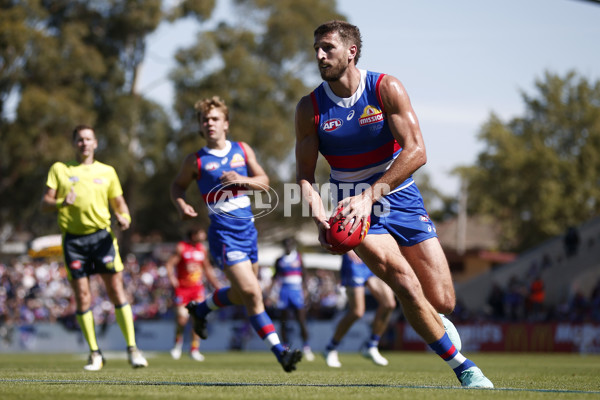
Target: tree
{"type": "Point", "coordinates": [72, 62]}
{"type": "Point", "coordinates": [540, 173]}
{"type": "Point", "coordinates": [258, 66]}
{"type": "Point", "coordinates": [440, 207]}
{"type": "Point", "coordinates": [68, 62]}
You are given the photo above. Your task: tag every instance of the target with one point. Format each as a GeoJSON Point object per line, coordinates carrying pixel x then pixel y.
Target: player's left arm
{"type": "Point", "coordinates": [121, 210]}
{"type": "Point", "coordinates": [404, 126]}
{"type": "Point", "coordinates": [257, 177]}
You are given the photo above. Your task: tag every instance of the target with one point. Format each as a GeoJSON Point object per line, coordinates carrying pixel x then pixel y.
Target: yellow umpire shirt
{"type": "Point", "coordinates": [93, 184]}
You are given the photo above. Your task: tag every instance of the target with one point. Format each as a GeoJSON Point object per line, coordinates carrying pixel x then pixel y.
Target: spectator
{"type": "Point", "coordinates": [595, 302]}
{"type": "Point", "coordinates": [578, 307]}
{"type": "Point", "coordinates": [495, 301]}
{"type": "Point", "coordinates": [571, 241]}
{"type": "Point", "coordinates": [535, 300]}
{"type": "Point", "coordinates": [514, 299]}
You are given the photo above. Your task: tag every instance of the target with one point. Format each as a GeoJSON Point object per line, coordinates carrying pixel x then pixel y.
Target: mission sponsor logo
{"type": "Point", "coordinates": [237, 161]}
{"type": "Point", "coordinates": [332, 124]}
{"type": "Point", "coordinates": [370, 115]}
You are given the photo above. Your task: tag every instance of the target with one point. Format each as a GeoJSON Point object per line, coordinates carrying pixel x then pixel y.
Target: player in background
{"type": "Point", "coordinates": [355, 275]}
{"type": "Point", "coordinates": [81, 192]}
{"type": "Point", "coordinates": [364, 125]}
{"type": "Point", "coordinates": [225, 171]}
{"type": "Point", "coordinates": [187, 267]}
{"type": "Point", "coordinates": [289, 274]}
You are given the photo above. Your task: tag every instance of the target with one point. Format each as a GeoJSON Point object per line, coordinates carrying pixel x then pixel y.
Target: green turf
{"type": "Point", "coordinates": [256, 375]}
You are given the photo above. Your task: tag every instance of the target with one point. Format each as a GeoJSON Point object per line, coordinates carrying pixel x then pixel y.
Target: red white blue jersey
{"type": "Point", "coordinates": [356, 140]}
{"type": "Point", "coordinates": [229, 206]}
{"type": "Point", "coordinates": [354, 135]}
{"type": "Point", "coordinates": [288, 269]}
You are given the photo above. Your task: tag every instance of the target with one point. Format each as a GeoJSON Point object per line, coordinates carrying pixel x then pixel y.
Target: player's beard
{"type": "Point", "coordinates": [333, 73]}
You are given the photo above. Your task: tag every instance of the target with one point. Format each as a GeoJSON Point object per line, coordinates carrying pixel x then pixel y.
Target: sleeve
{"type": "Point", "coordinates": [114, 189]}
{"type": "Point", "coordinates": [52, 180]}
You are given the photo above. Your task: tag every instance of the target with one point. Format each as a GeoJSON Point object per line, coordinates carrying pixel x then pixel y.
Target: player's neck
{"type": "Point", "coordinates": [217, 144]}
{"type": "Point", "coordinates": [347, 85]}
{"type": "Point", "coordinates": [85, 160]}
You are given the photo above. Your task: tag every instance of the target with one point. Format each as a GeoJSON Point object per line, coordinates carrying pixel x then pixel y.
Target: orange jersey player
{"type": "Point", "coordinates": [186, 269]}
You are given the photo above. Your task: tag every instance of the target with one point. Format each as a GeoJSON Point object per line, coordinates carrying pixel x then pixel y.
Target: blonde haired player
{"type": "Point", "coordinates": [225, 171]}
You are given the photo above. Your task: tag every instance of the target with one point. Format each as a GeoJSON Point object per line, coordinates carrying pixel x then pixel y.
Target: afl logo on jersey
{"type": "Point", "coordinates": [211, 166]}
{"type": "Point", "coordinates": [332, 124]}
{"type": "Point", "coordinates": [370, 115]}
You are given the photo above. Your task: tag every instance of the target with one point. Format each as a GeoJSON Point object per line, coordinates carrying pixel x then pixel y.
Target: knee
{"type": "Point", "coordinates": [444, 302]}
{"type": "Point", "coordinates": [116, 295]}
{"type": "Point", "coordinates": [252, 296]}
{"type": "Point", "coordinates": [84, 298]}
{"type": "Point", "coordinates": [355, 314]}
{"type": "Point", "coordinates": [388, 305]}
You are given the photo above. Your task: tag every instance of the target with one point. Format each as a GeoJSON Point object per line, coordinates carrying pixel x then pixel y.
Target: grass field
{"type": "Point", "coordinates": [256, 375]}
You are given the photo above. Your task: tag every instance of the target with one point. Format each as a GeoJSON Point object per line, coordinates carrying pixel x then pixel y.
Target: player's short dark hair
{"type": "Point", "coordinates": [194, 229]}
{"type": "Point", "coordinates": [289, 240]}
{"type": "Point", "coordinates": [79, 128]}
{"type": "Point", "coordinates": [350, 34]}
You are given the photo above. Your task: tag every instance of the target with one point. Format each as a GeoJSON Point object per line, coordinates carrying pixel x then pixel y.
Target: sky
{"type": "Point", "coordinates": [459, 61]}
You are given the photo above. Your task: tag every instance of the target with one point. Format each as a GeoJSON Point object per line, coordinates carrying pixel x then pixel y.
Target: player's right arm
{"type": "Point", "coordinates": [186, 175]}
{"type": "Point", "coordinates": [50, 201]}
{"type": "Point", "coordinates": [307, 153]}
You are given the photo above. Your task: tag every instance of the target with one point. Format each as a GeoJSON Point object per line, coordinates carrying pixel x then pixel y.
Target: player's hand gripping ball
{"type": "Point", "coordinates": [341, 239]}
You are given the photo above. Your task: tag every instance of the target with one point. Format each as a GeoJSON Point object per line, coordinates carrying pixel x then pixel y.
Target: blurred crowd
{"type": "Point", "coordinates": [38, 290]}
{"type": "Point", "coordinates": [523, 300]}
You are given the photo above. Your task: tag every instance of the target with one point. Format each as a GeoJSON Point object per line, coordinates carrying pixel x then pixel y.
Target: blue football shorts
{"type": "Point", "coordinates": [354, 274]}
{"type": "Point", "coordinates": [402, 214]}
{"type": "Point", "coordinates": [290, 297]}
{"type": "Point", "coordinates": [232, 247]}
